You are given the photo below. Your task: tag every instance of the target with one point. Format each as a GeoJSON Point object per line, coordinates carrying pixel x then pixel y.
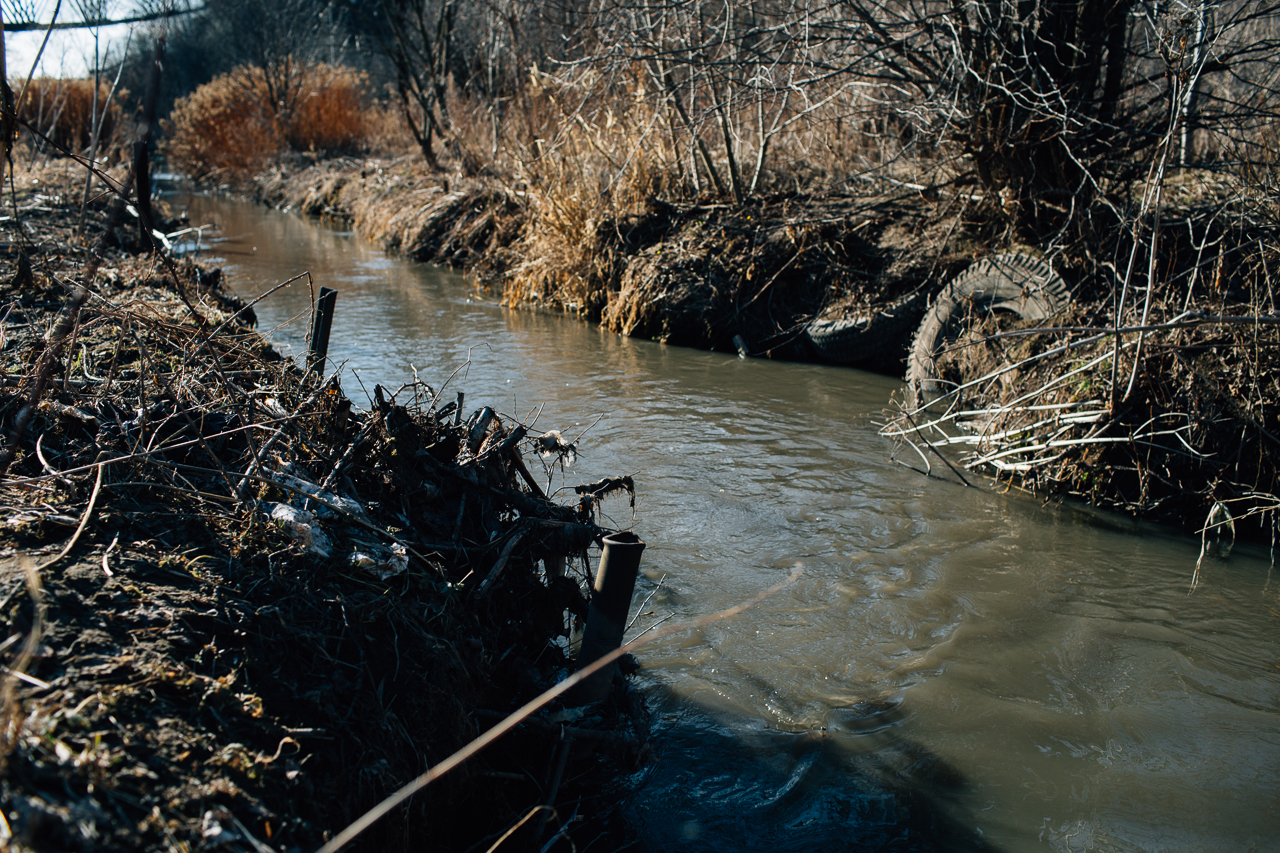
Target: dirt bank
{"type": "Point", "coordinates": [683, 273]}
{"type": "Point", "coordinates": [1196, 351]}
{"type": "Point", "coordinates": [238, 611]}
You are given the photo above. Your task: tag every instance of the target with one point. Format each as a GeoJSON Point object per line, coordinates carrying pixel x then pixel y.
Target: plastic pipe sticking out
{"type": "Point", "coordinates": [320, 329]}
{"type": "Point", "coordinates": [607, 618]}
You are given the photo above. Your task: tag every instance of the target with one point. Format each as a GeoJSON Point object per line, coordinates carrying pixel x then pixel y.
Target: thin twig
{"type": "Point", "coordinates": [106, 569]}
{"type": "Point", "coordinates": [84, 521]}
{"type": "Point", "coordinates": [639, 610]}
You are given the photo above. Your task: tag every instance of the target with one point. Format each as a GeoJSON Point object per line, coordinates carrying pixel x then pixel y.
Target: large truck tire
{"type": "Point", "coordinates": [1013, 283]}
{"type": "Point", "coordinates": [866, 335]}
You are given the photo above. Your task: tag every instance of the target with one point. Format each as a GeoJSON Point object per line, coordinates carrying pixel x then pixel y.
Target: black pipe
{"type": "Point", "coordinates": [607, 618]}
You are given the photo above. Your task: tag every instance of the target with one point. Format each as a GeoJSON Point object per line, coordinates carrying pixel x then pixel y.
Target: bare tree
{"type": "Point", "coordinates": [417, 37]}
{"type": "Point", "coordinates": [24, 15]}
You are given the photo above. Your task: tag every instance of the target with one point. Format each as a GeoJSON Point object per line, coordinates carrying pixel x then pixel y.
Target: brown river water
{"type": "Point", "coordinates": [956, 668]}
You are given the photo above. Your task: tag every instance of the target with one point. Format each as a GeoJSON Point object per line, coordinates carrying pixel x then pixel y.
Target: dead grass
{"type": "Point", "coordinates": [62, 110]}
{"type": "Point", "coordinates": [591, 167]}
{"type": "Point", "coordinates": [239, 122]}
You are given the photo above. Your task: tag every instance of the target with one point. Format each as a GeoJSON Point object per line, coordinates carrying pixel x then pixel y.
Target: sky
{"type": "Point", "coordinates": [69, 52]}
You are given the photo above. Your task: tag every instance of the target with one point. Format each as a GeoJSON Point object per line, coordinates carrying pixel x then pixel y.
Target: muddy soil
{"type": "Point", "coordinates": [238, 611]}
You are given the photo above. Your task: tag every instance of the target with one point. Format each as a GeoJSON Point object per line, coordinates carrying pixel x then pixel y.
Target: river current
{"type": "Point", "coordinates": [955, 669]}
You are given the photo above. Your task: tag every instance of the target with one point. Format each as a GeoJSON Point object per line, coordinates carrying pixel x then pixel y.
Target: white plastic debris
{"type": "Point", "coordinates": [272, 405]}
{"type": "Point", "coordinates": [217, 828]}
{"type": "Point", "coordinates": [568, 715]}
{"type": "Point", "coordinates": [383, 563]}
{"type": "Point", "coordinates": [302, 527]}
{"type": "Point", "coordinates": [551, 445]}
{"type": "Point", "coordinates": [327, 504]}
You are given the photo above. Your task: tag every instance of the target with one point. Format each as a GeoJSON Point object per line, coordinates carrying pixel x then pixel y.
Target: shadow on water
{"type": "Point", "coordinates": [720, 783]}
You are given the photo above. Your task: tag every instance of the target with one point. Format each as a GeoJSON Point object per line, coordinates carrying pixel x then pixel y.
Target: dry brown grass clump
{"type": "Point", "coordinates": [329, 112]}
{"type": "Point", "coordinates": [385, 131]}
{"type": "Point", "coordinates": [594, 168]}
{"type": "Point", "coordinates": [240, 121]}
{"type": "Point", "coordinates": [62, 110]}
{"type": "Point", "coordinates": [631, 221]}
{"type": "Point", "coordinates": [470, 223]}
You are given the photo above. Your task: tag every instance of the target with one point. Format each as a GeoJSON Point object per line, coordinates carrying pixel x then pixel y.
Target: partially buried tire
{"type": "Point", "coordinates": [865, 335]}
{"type": "Point", "coordinates": [1012, 283]}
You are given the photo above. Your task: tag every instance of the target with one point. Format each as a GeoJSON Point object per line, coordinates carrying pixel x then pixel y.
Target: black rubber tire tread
{"type": "Point", "coordinates": [1012, 282]}
{"type": "Point", "coordinates": [864, 336]}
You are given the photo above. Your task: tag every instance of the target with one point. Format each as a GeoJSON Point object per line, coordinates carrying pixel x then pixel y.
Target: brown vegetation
{"type": "Point", "coordinates": [63, 111]}
{"type": "Point", "coordinates": [242, 120]}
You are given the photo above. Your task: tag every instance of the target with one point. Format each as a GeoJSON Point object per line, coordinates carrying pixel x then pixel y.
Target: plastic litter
{"type": "Point", "coordinates": [302, 527]}
{"type": "Point", "coordinates": [383, 562]}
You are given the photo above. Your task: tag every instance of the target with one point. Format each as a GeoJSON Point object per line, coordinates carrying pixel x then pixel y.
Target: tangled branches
{"type": "Point", "coordinates": [1166, 416]}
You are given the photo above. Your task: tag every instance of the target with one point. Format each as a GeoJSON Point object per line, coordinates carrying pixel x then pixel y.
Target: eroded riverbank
{"type": "Point", "coordinates": [683, 273]}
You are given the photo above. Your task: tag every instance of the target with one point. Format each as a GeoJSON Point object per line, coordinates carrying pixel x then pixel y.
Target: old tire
{"type": "Point", "coordinates": [865, 335]}
{"type": "Point", "coordinates": [1013, 283]}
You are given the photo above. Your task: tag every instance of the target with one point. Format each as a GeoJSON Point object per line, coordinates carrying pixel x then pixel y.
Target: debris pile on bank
{"type": "Point", "coordinates": [239, 611]}
{"type": "Point", "coordinates": [1168, 415]}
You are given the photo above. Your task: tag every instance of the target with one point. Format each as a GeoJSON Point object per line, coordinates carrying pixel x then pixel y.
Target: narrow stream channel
{"type": "Point", "coordinates": [956, 668]}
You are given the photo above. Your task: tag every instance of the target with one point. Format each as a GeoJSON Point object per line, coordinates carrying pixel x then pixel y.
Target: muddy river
{"type": "Point", "coordinates": [957, 668]}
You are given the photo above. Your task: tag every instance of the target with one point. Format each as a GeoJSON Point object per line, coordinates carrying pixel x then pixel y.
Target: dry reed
{"type": "Point", "coordinates": [63, 111]}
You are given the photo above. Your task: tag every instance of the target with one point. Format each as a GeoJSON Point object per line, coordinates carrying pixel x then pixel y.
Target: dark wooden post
{"type": "Point", "coordinates": [320, 328]}
{"type": "Point", "coordinates": [142, 149]}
